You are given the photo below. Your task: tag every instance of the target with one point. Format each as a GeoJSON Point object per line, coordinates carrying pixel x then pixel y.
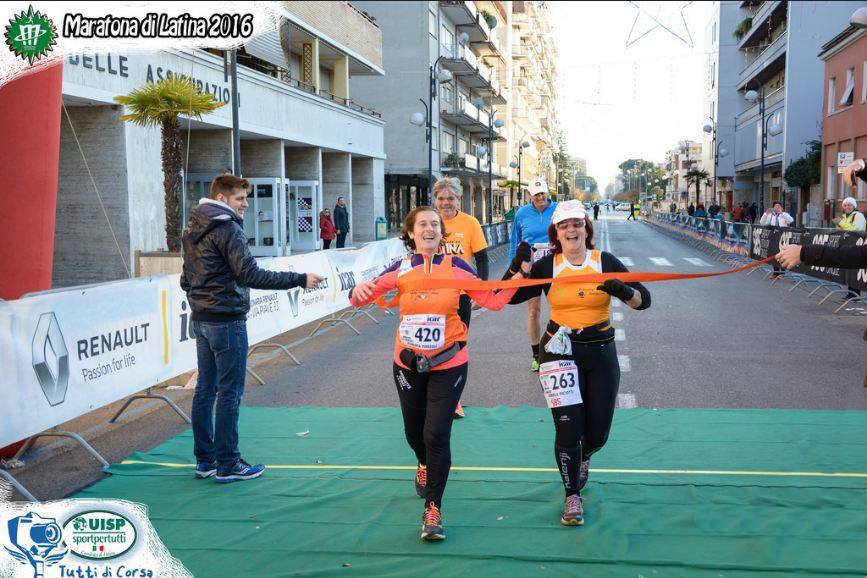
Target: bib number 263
{"type": "Point", "coordinates": [559, 380]}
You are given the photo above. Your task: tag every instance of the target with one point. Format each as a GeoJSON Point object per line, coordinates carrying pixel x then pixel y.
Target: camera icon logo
{"type": "Point", "coordinates": [37, 541]}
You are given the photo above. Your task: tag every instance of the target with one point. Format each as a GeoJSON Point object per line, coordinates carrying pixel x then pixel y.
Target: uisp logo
{"type": "Point", "coordinates": [100, 534]}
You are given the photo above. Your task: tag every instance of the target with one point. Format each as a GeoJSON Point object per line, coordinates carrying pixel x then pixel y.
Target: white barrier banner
{"type": "Point", "coordinates": [64, 354]}
{"type": "Point", "coordinates": [67, 353]}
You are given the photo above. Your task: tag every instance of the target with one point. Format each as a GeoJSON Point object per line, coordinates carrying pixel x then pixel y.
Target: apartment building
{"type": "Point", "coordinates": [778, 42]}
{"type": "Point", "coordinates": [305, 140]}
{"type": "Point", "coordinates": [679, 160]}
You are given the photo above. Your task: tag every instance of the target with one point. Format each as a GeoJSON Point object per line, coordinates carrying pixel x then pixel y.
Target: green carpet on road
{"type": "Point", "coordinates": [731, 493]}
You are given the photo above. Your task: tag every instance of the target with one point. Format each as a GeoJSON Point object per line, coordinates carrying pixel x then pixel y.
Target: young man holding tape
{"type": "Point", "coordinates": [218, 273]}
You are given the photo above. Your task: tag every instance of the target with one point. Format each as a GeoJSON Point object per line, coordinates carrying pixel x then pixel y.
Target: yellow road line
{"type": "Point", "coordinates": [534, 469]}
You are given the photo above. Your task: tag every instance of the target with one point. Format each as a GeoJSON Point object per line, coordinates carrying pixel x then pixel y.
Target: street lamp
{"type": "Point", "coordinates": [716, 151]}
{"type": "Point", "coordinates": [753, 96]}
{"type": "Point", "coordinates": [859, 18]}
{"type": "Point", "coordinates": [492, 123]}
{"type": "Point", "coordinates": [521, 146]}
{"type": "Point", "coordinates": [436, 77]}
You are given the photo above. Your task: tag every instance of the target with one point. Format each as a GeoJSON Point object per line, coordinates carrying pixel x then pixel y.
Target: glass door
{"type": "Point", "coordinates": [302, 213]}
{"type": "Point", "coordinates": [262, 221]}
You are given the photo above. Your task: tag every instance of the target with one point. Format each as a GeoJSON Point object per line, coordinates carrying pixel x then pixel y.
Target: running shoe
{"type": "Point", "coordinates": [432, 524]}
{"type": "Point", "coordinates": [583, 473]}
{"type": "Point", "coordinates": [420, 480]}
{"type": "Point", "coordinates": [573, 513]}
{"type": "Point", "coordinates": [534, 366]}
{"type": "Point", "coordinates": [205, 469]}
{"type": "Point", "coordinates": [459, 411]}
{"type": "Point", "coordinates": [239, 472]}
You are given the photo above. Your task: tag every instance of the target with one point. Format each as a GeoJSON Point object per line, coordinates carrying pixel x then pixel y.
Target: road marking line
{"type": "Point", "coordinates": [696, 261]}
{"type": "Point", "coordinates": [625, 365]}
{"type": "Point", "coordinates": [661, 261]}
{"type": "Point", "coordinates": [627, 261]}
{"type": "Point", "coordinates": [532, 469]}
{"type": "Point", "coordinates": [626, 400]}
{"type": "Point", "coordinates": [619, 334]}
{"type": "Point", "coordinates": [617, 316]}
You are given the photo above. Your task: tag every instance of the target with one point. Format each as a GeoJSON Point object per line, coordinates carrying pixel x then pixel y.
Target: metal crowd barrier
{"type": "Point", "coordinates": [731, 243]}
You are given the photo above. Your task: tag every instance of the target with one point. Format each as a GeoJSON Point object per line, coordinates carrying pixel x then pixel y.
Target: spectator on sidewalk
{"type": "Point", "coordinates": [713, 210]}
{"type": "Point", "coordinates": [690, 210]}
{"type": "Point", "coordinates": [737, 213]}
{"type": "Point", "coordinates": [754, 212]}
{"type": "Point", "coordinates": [218, 273]}
{"type": "Point", "coordinates": [776, 217]}
{"type": "Point", "coordinates": [327, 230]}
{"type": "Point", "coordinates": [851, 219]}
{"type": "Point", "coordinates": [673, 208]}
{"type": "Point", "coordinates": [341, 221]}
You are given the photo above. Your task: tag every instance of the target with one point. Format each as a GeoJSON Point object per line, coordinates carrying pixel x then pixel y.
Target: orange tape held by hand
{"type": "Point", "coordinates": [637, 277]}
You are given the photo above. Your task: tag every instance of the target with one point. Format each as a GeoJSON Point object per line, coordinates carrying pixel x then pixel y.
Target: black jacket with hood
{"type": "Point", "coordinates": [219, 269]}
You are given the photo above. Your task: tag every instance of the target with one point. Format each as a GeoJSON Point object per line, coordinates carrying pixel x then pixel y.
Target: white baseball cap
{"type": "Point", "coordinates": [538, 186]}
{"type": "Point", "coordinates": [568, 210]}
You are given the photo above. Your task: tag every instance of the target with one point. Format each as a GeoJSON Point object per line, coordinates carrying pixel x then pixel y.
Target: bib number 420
{"type": "Point", "coordinates": [428, 335]}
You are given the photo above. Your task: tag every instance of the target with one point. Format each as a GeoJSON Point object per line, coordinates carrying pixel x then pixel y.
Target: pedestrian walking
{"type": "Point", "coordinates": [631, 215]}
{"type": "Point", "coordinates": [596, 211]}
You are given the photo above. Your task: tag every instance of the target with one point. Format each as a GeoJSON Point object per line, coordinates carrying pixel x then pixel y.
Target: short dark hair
{"type": "Point", "coordinates": [775, 203]}
{"type": "Point", "coordinates": [227, 184]}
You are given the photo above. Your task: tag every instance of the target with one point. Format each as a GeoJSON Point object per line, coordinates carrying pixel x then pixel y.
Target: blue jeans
{"type": "Point", "coordinates": [222, 354]}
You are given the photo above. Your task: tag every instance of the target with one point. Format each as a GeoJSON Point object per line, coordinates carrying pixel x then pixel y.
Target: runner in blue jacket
{"type": "Point", "coordinates": [531, 226]}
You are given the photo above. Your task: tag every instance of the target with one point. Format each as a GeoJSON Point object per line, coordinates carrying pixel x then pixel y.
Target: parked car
{"type": "Point", "coordinates": [623, 207]}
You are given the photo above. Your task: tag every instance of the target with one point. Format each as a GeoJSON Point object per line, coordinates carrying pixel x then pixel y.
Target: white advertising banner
{"type": "Point", "coordinates": [70, 352]}
{"type": "Point", "coordinates": [67, 353]}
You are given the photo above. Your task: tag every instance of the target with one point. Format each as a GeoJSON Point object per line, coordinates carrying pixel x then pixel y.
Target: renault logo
{"type": "Point", "coordinates": [51, 359]}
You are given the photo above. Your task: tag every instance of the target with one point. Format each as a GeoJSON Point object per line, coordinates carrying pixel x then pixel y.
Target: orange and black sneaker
{"type": "Point", "coordinates": [420, 480]}
{"type": "Point", "coordinates": [459, 411]}
{"type": "Point", "coordinates": [432, 523]}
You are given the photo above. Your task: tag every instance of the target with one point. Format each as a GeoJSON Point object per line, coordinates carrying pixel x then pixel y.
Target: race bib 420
{"type": "Point", "coordinates": [425, 332]}
{"type": "Point", "coordinates": [559, 379]}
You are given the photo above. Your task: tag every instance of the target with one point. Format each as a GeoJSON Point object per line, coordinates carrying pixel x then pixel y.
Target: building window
{"type": "Point", "coordinates": [447, 39]}
{"type": "Point", "coordinates": [832, 95]}
{"type": "Point", "coordinates": [435, 138]}
{"type": "Point", "coordinates": [846, 99]}
{"type": "Point", "coordinates": [447, 94]}
{"type": "Point", "coordinates": [463, 146]}
{"type": "Point", "coordinates": [864, 83]}
{"type": "Point", "coordinates": [831, 179]}
{"type": "Point", "coordinates": [448, 143]}
{"type": "Point", "coordinates": [432, 24]}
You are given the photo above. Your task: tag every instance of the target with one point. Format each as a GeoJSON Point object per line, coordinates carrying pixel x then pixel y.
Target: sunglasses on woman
{"type": "Point", "coordinates": [566, 225]}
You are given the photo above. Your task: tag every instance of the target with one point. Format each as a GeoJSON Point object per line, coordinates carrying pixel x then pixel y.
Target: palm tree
{"type": "Point", "coordinates": [161, 104]}
{"type": "Point", "coordinates": [697, 176]}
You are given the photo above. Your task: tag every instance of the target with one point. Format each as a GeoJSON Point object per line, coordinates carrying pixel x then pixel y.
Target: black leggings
{"type": "Point", "coordinates": [428, 402]}
{"type": "Point", "coordinates": [583, 428]}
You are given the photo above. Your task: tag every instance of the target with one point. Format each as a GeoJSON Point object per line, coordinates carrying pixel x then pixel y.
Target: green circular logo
{"type": "Point", "coordinates": [30, 35]}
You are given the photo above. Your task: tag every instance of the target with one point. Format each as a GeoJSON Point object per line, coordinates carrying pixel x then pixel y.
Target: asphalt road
{"type": "Point", "coordinates": [734, 341]}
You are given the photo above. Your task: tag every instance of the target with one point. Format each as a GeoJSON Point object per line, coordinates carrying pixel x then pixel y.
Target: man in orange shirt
{"type": "Point", "coordinates": [465, 239]}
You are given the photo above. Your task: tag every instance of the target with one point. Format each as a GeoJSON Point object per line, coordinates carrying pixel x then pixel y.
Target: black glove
{"type": "Point", "coordinates": [522, 253]}
{"type": "Point", "coordinates": [617, 288]}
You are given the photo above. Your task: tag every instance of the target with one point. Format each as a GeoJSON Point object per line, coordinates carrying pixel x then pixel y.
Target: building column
{"type": "Point", "coordinates": [337, 182]}
{"type": "Point", "coordinates": [341, 78]}
{"type": "Point", "coordinates": [30, 115]}
{"type": "Point", "coordinates": [368, 196]}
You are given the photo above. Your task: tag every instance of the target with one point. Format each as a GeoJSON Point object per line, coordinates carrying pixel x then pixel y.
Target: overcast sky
{"type": "Point", "coordinates": [620, 102]}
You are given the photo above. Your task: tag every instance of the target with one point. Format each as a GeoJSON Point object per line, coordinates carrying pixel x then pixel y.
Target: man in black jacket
{"type": "Point", "coordinates": [341, 221]}
{"type": "Point", "coordinates": [217, 276]}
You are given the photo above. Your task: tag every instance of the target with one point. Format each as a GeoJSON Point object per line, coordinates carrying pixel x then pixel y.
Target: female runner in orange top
{"type": "Point", "coordinates": [430, 353]}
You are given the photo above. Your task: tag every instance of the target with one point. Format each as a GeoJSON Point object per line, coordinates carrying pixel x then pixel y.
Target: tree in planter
{"type": "Point", "coordinates": [490, 20]}
{"type": "Point", "coordinates": [161, 104]}
{"type": "Point", "coordinates": [806, 171]}
{"type": "Point", "coordinates": [697, 176]}
{"type": "Point", "coordinates": [451, 160]}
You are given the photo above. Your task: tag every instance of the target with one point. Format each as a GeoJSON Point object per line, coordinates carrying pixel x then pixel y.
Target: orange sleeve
{"type": "Point", "coordinates": [493, 300]}
{"type": "Point", "coordinates": [383, 284]}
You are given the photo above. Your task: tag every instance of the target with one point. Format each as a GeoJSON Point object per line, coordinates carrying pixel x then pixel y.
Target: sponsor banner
{"type": "Point", "coordinates": [73, 351]}
{"type": "Point", "coordinates": [70, 352]}
{"type": "Point", "coordinates": [766, 241]}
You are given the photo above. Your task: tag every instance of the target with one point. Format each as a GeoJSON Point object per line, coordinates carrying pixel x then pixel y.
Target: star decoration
{"type": "Point", "coordinates": [665, 15]}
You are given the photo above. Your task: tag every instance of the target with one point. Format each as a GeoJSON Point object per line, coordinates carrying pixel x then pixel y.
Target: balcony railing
{"type": "Point", "coordinates": [457, 52]}
{"type": "Point", "coordinates": [755, 63]}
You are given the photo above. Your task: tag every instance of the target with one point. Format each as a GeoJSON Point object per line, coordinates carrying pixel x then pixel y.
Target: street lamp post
{"type": "Point", "coordinates": [753, 96]}
{"type": "Point", "coordinates": [435, 77]}
{"type": "Point", "coordinates": [521, 146]}
{"type": "Point", "coordinates": [498, 123]}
